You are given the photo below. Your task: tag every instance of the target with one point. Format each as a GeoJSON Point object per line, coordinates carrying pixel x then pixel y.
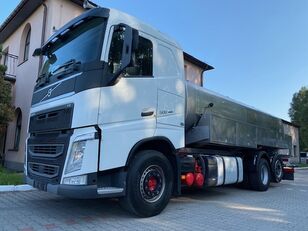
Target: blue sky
{"type": "Point", "coordinates": [259, 48]}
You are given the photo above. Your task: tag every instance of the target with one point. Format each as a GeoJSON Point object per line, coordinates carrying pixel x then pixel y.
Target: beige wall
{"type": "Point", "coordinates": [26, 74]}
{"type": "Point", "coordinates": [193, 73]}
{"type": "Point", "coordinates": [59, 12]}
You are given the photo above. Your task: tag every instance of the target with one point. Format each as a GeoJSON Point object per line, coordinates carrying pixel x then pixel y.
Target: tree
{"type": "Point", "coordinates": [299, 115]}
{"type": "Point", "coordinates": [6, 110]}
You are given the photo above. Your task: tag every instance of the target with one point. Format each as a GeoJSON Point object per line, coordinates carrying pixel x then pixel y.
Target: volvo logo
{"type": "Point", "coordinates": [49, 92]}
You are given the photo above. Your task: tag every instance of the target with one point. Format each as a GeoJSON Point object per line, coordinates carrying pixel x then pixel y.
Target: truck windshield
{"type": "Point", "coordinates": [74, 47]}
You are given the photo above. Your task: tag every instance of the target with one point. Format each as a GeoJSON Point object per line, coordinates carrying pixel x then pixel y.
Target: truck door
{"type": "Point", "coordinates": [128, 108]}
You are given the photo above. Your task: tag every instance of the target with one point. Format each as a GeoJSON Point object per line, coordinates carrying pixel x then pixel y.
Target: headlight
{"type": "Point", "coordinates": [76, 157]}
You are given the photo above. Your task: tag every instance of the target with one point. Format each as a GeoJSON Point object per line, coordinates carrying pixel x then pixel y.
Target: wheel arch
{"type": "Point", "coordinates": [265, 155]}
{"type": "Point", "coordinates": [163, 145]}
{"type": "Point", "coordinates": [159, 143]}
{"type": "Point", "coordinates": [252, 159]}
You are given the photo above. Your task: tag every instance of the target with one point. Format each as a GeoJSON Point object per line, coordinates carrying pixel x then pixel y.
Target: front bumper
{"type": "Point", "coordinates": [78, 191]}
{"type": "Point", "coordinates": [72, 191]}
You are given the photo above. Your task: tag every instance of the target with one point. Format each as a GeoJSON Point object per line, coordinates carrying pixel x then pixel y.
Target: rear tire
{"type": "Point", "coordinates": [149, 184]}
{"type": "Point", "coordinates": [260, 180]}
{"type": "Point", "coordinates": [277, 170]}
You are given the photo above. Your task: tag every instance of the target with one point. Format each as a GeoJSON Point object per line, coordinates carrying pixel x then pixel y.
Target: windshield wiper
{"type": "Point", "coordinates": [45, 79]}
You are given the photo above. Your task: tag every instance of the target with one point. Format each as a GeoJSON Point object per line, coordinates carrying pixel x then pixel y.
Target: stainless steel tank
{"type": "Point", "coordinates": [229, 122]}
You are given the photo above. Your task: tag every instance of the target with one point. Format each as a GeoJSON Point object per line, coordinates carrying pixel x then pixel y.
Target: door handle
{"type": "Point", "coordinates": [147, 113]}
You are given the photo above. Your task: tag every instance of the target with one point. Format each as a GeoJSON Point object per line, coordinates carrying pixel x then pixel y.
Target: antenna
{"type": "Point", "coordinates": [88, 5]}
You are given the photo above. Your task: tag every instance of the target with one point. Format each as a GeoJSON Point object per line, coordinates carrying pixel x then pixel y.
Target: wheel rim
{"type": "Point", "coordinates": [264, 175]}
{"type": "Point", "coordinates": [278, 169]}
{"type": "Point", "coordinates": [152, 183]}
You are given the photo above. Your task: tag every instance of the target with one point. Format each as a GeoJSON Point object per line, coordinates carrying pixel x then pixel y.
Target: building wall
{"type": "Point", "coordinates": [294, 133]}
{"type": "Point", "coordinates": [59, 12]}
{"type": "Point", "coordinates": [26, 74]}
{"type": "Point", "coordinates": [193, 73]}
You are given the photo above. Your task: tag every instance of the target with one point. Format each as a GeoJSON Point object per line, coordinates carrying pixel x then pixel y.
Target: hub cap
{"type": "Point", "coordinates": [152, 183]}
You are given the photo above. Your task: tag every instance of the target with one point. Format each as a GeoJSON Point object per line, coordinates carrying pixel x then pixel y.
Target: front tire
{"type": "Point", "coordinates": [149, 184]}
{"type": "Point", "coordinates": [260, 180]}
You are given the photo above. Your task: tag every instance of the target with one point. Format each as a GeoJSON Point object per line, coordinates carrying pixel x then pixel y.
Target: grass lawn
{"type": "Point", "coordinates": [301, 165]}
{"type": "Point", "coordinates": [10, 178]}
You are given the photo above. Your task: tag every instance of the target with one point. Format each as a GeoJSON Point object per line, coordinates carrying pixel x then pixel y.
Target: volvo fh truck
{"type": "Point", "coordinates": [112, 115]}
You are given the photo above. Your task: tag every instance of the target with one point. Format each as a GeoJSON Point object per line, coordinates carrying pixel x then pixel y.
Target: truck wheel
{"type": "Point", "coordinates": [277, 170]}
{"type": "Point", "coordinates": [149, 184]}
{"type": "Point", "coordinates": [261, 179]}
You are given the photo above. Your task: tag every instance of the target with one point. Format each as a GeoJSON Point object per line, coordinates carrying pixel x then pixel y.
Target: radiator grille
{"type": "Point", "coordinates": [46, 154]}
{"type": "Point", "coordinates": [45, 170]}
{"type": "Point", "coordinates": [46, 150]}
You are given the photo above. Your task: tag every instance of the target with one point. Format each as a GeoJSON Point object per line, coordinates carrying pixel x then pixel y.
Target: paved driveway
{"type": "Point", "coordinates": [283, 207]}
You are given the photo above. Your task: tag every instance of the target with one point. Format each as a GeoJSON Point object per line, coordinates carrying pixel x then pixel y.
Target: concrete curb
{"type": "Point", "coordinates": [16, 188]}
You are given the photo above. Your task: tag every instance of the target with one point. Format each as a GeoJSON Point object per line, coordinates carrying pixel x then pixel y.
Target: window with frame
{"type": "Point", "coordinates": [115, 51]}
{"type": "Point", "coordinates": [142, 60]}
{"type": "Point", "coordinates": [27, 45]}
{"type": "Point", "coordinates": [17, 129]}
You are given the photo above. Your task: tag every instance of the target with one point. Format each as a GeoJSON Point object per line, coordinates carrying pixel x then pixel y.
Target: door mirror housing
{"type": "Point", "coordinates": [130, 39]}
{"type": "Point", "coordinates": [135, 40]}
{"type": "Point", "coordinates": [125, 36]}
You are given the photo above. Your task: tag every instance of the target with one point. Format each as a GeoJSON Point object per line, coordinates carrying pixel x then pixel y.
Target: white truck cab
{"type": "Point", "coordinates": [89, 111]}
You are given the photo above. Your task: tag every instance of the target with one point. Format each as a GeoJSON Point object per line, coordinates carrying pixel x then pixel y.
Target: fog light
{"type": "Point", "coordinates": [76, 180]}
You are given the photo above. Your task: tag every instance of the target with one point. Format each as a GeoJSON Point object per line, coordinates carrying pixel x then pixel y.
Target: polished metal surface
{"type": "Point", "coordinates": [229, 122]}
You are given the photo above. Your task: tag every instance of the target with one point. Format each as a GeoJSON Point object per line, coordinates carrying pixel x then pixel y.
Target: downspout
{"type": "Point", "coordinates": [202, 77]}
{"type": "Point", "coordinates": [43, 34]}
{"type": "Point", "coordinates": [207, 68]}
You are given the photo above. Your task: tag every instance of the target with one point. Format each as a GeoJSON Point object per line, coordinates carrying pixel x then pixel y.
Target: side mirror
{"type": "Point", "coordinates": [37, 52]}
{"type": "Point", "coordinates": [125, 41]}
{"type": "Point", "coordinates": [135, 40]}
{"type": "Point", "coordinates": [125, 36]}
{"type": "Point", "coordinates": [127, 47]}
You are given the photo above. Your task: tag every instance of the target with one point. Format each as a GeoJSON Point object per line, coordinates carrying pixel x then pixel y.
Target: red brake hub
{"type": "Point", "coordinates": [152, 183]}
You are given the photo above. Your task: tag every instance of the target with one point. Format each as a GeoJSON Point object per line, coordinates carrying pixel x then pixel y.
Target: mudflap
{"type": "Point", "coordinates": [288, 173]}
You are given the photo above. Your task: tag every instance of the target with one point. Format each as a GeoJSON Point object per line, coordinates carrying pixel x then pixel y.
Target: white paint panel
{"type": "Point", "coordinates": [86, 105]}
{"type": "Point", "coordinates": [166, 62]}
{"type": "Point", "coordinates": [173, 133]}
{"type": "Point", "coordinates": [170, 109]}
{"type": "Point", "coordinates": [119, 138]}
{"type": "Point", "coordinates": [126, 100]}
